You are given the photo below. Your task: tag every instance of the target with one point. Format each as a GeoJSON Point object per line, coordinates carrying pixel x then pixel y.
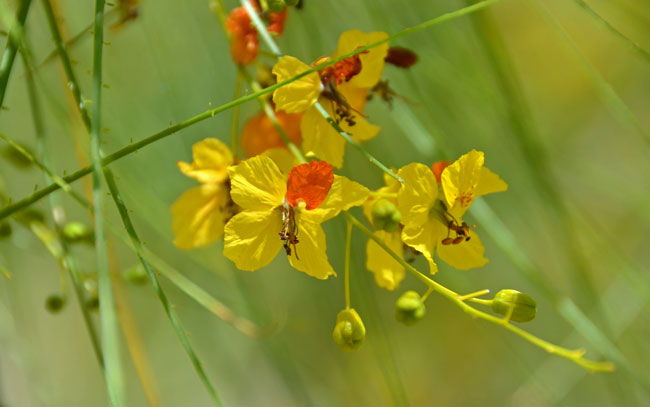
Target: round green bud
{"type": "Point", "coordinates": [276, 6]}
{"type": "Point", "coordinates": [5, 229]}
{"type": "Point", "coordinates": [409, 308]}
{"type": "Point", "coordinates": [524, 307]}
{"type": "Point", "coordinates": [385, 215]}
{"type": "Point", "coordinates": [136, 275]}
{"type": "Point", "coordinates": [54, 303]}
{"type": "Point", "coordinates": [349, 332]}
{"type": "Point", "coordinates": [74, 232]}
{"type": "Point", "coordinates": [92, 294]}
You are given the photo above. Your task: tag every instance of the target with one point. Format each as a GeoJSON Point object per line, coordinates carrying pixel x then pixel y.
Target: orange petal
{"type": "Point", "coordinates": [309, 183]}
{"type": "Point", "coordinates": [259, 134]}
{"type": "Point", "coordinates": [439, 167]}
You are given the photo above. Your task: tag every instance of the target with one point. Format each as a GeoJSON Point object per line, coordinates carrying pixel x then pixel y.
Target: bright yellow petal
{"type": "Point", "coordinates": [372, 63]}
{"type": "Point", "coordinates": [320, 139]}
{"type": "Point", "coordinates": [465, 255]}
{"type": "Point", "coordinates": [311, 256]}
{"type": "Point", "coordinates": [211, 158]}
{"type": "Point", "coordinates": [459, 181]}
{"type": "Point", "coordinates": [198, 216]}
{"type": "Point", "coordinates": [251, 238]}
{"type": "Point", "coordinates": [424, 238]}
{"type": "Point", "coordinates": [489, 183]}
{"type": "Point", "coordinates": [362, 130]}
{"type": "Point", "coordinates": [417, 195]}
{"type": "Point", "coordinates": [300, 94]}
{"type": "Point", "coordinates": [343, 195]}
{"type": "Point", "coordinates": [356, 97]}
{"type": "Point", "coordinates": [257, 184]}
{"type": "Point", "coordinates": [282, 158]}
{"type": "Point", "coordinates": [388, 272]}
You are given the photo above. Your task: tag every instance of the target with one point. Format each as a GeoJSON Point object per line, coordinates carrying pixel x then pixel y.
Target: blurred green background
{"type": "Point", "coordinates": [556, 99]}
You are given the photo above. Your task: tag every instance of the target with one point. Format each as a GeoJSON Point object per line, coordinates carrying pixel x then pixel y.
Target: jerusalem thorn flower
{"type": "Point", "coordinates": [429, 220]}
{"type": "Point", "coordinates": [380, 210]}
{"type": "Point", "coordinates": [280, 212]}
{"type": "Point", "coordinates": [199, 215]}
{"type": "Point", "coordinates": [341, 89]}
{"type": "Point", "coordinates": [259, 135]}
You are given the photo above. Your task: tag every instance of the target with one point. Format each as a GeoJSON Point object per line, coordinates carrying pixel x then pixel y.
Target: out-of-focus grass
{"type": "Point", "coordinates": [172, 61]}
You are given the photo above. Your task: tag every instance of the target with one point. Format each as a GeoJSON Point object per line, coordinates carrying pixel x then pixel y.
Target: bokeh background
{"type": "Point", "coordinates": [556, 98]}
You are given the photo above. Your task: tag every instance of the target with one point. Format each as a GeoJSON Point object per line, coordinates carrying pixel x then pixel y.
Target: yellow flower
{"type": "Point", "coordinates": [432, 222]}
{"type": "Point", "coordinates": [286, 211]}
{"type": "Point", "coordinates": [340, 88]}
{"type": "Point", "coordinates": [388, 272]}
{"type": "Point", "coordinates": [199, 215]}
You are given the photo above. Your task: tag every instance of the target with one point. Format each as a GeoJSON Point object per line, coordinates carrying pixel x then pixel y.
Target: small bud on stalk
{"type": "Point", "coordinates": [75, 232]}
{"type": "Point", "coordinates": [385, 215]}
{"type": "Point", "coordinates": [524, 307]}
{"type": "Point", "coordinates": [136, 275]}
{"type": "Point", "coordinates": [54, 303]}
{"type": "Point", "coordinates": [409, 308]}
{"type": "Point", "coordinates": [349, 332]}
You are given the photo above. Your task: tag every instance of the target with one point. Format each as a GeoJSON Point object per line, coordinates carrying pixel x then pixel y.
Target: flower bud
{"type": "Point", "coordinates": [136, 275]}
{"type": "Point", "coordinates": [54, 303]}
{"type": "Point", "coordinates": [385, 215]}
{"type": "Point", "coordinates": [74, 232]}
{"type": "Point", "coordinates": [92, 294]}
{"type": "Point", "coordinates": [276, 6]}
{"type": "Point", "coordinates": [349, 332]}
{"type": "Point", "coordinates": [409, 308]}
{"type": "Point", "coordinates": [524, 307]}
{"type": "Point", "coordinates": [5, 229]}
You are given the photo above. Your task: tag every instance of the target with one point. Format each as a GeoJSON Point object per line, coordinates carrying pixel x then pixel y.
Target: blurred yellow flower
{"type": "Point", "coordinates": [340, 88]}
{"type": "Point", "coordinates": [199, 215]}
{"type": "Point", "coordinates": [380, 210]}
{"type": "Point", "coordinates": [278, 210]}
{"type": "Point", "coordinates": [429, 221]}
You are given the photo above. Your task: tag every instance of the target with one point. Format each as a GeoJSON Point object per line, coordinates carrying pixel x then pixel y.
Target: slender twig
{"type": "Point", "coordinates": [348, 249]}
{"type": "Point", "coordinates": [574, 355]}
{"type": "Point", "coordinates": [137, 245]}
{"type": "Point", "coordinates": [9, 55]}
{"type": "Point", "coordinates": [107, 313]}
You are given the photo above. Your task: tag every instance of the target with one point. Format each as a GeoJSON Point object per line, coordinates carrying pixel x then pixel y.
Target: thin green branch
{"type": "Point", "coordinates": [10, 209]}
{"type": "Point", "coordinates": [575, 356]}
{"type": "Point", "coordinates": [13, 43]}
{"type": "Point", "coordinates": [137, 245]}
{"type": "Point", "coordinates": [65, 59]}
{"type": "Point", "coordinates": [113, 376]}
{"type": "Point", "coordinates": [67, 261]}
{"type": "Point", "coordinates": [348, 249]}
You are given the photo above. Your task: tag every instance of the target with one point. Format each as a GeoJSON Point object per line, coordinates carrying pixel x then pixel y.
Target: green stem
{"type": "Point", "coordinates": [574, 355]}
{"type": "Point", "coordinates": [137, 245]}
{"type": "Point", "coordinates": [108, 318]}
{"type": "Point", "coordinates": [65, 60]}
{"type": "Point", "coordinates": [12, 47]}
{"type": "Point", "coordinates": [348, 246]}
{"type": "Point", "coordinates": [10, 209]}
{"type": "Point", "coordinates": [234, 125]}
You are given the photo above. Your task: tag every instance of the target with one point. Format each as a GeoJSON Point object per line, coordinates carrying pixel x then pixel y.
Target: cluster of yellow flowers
{"type": "Point", "coordinates": [270, 201]}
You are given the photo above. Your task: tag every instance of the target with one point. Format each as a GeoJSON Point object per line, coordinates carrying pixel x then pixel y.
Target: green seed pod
{"type": "Point", "coordinates": [524, 307]}
{"type": "Point", "coordinates": [409, 308]}
{"type": "Point", "coordinates": [385, 215]}
{"type": "Point", "coordinates": [291, 3]}
{"type": "Point", "coordinates": [75, 232]}
{"type": "Point", "coordinates": [349, 332]}
{"type": "Point", "coordinates": [276, 6]}
{"type": "Point", "coordinates": [54, 303]}
{"type": "Point", "coordinates": [136, 275]}
{"type": "Point", "coordinates": [5, 230]}
{"type": "Point", "coordinates": [16, 158]}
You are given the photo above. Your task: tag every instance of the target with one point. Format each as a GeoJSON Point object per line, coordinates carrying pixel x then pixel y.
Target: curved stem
{"type": "Point", "coordinates": [573, 355]}
{"type": "Point", "coordinates": [348, 245]}
{"type": "Point", "coordinates": [9, 55]}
